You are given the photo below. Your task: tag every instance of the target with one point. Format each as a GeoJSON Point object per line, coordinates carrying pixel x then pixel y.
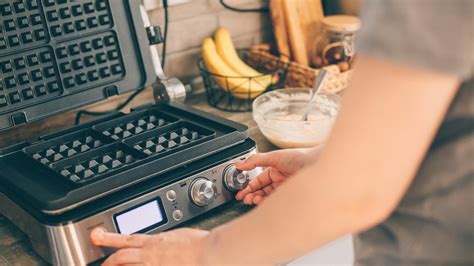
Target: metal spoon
{"type": "Point", "coordinates": [318, 84]}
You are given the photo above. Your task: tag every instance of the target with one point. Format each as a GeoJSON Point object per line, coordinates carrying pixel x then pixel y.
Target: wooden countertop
{"type": "Point", "coordinates": [15, 248]}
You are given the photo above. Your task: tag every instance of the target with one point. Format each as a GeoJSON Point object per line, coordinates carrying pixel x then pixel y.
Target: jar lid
{"type": "Point", "coordinates": [341, 23]}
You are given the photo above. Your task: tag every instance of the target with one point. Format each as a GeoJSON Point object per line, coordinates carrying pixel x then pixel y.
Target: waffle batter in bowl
{"type": "Point", "coordinates": [279, 113]}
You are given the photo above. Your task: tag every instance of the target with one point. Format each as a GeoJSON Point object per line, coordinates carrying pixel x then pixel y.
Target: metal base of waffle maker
{"type": "Point", "coordinates": [141, 172]}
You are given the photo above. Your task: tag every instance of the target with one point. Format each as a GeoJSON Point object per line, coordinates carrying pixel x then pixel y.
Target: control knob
{"type": "Point", "coordinates": [203, 192]}
{"type": "Point", "coordinates": [234, 179]}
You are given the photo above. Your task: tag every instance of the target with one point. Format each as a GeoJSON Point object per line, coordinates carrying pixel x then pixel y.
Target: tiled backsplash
{"type": "Point", "coordinates": [190, 23]}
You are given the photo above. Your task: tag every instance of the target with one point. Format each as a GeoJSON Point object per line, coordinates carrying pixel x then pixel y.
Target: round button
{"type": "Point", "coordinates": [203, 192]}
{"type": "Point", "coordinates": [208, 192]}
{"type": "Point", "coordinates": [242, 178]}
{"type": "Point", "coordinates": [234, 179]}
{"type": "Point", "coordinates": [171, 195]}
{"type": "Point", "coordinates": [177, 215]}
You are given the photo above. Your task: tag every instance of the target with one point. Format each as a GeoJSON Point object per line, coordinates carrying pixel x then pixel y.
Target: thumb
{"type": "Point", "coordinates": [269, 159]}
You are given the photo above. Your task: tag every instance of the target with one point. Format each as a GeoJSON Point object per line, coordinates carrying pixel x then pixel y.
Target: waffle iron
{"type": "Point", "coordinates": [145, 171]}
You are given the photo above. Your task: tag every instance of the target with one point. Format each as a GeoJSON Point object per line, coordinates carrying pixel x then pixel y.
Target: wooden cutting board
{"type": "Point", "coordinates": [311, 14]}
{"type": "Point", "coordinates": [302, 19]}
{"type": "Point", "coordinates": [279, 27]}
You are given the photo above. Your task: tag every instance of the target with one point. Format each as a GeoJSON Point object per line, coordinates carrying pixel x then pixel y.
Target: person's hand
{"type": "Point", "coordinates": [177, 247]}
{"type": "Point", "coordinates": [281, 164]}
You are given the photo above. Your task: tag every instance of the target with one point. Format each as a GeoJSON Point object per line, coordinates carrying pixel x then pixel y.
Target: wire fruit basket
{"type": "Point", "coordinates": [236, 94]}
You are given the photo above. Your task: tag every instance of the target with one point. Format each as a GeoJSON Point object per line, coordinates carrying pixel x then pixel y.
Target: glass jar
{"type": "Point", "coordinates": [334, 44]}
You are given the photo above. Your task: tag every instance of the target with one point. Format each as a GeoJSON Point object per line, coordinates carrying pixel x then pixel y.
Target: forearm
{"type": "Point", "coordinates": [379, 140]}
{"type": "Point", "coordinates": [299, 221]}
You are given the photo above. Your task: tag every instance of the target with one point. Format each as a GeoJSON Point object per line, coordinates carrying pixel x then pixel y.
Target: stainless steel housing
{"type": "Point", "coordinates": [70, 244]}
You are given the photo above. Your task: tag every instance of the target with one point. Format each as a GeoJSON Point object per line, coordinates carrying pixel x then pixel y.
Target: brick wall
{"type": "Point", "coordinates": [191, 23]}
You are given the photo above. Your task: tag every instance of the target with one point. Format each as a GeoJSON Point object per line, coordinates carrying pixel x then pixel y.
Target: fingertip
{"type": "Point", "coordinates": [244, 192]}
{"type": "Point", "coordinates": [257, 200]}
{"type": "Point", "coordinates": [243, 166]}
{"type": "Point", "coordinates": [98, 235]}
{"type": "Point", "coordinates": [239, 196]}
{"type": "Point", "coordinates": [248, 200]}
{"type": "Point", "coordinates": [247, 164]}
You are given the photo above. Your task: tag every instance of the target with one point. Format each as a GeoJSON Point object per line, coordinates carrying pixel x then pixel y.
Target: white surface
{"type": "Point", "coordinates": [339, 252]}
{"type": "Point", "coordinates": [154, 4]}
{"type": "Point", "coordinates": [139, 218]}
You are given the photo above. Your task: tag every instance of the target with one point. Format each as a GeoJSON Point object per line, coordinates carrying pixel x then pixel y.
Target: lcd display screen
{"type": "Point", "coordinates": [140, 219]}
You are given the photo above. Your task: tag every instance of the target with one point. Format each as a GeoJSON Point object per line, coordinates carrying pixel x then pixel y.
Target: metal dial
{"type": "Point", "coordinates": [203, 192]}
{"type": "Point", "coordinates": [234, 179]}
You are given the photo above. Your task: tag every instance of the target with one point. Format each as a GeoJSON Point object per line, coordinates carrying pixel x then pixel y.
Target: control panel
{"type": "Point", "coordinates": [168, 206]}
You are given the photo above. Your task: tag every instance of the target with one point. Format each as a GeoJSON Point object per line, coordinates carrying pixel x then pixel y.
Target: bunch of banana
{"type": "Point", "coordinates": [230, 72]}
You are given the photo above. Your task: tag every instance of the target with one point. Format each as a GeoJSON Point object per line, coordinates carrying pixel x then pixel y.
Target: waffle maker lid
{"type": "Point", "coordinates": [58, 55]}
